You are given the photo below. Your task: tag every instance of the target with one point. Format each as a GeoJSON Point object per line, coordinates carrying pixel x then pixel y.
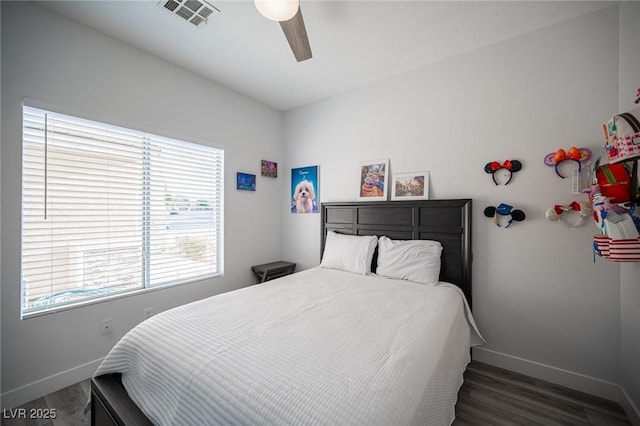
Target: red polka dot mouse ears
{"type": "Point", "coordinates": [579, 155]}
{"type": "Point", "coordinates": [511, 166]}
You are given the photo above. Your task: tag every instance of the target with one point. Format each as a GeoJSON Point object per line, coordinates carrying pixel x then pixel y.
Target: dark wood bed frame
{"type": "Point", "coordinates": [447, 221]}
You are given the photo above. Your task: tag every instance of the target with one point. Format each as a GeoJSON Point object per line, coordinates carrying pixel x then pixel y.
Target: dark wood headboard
{"type": "Point", "coordinates": [447, 221]}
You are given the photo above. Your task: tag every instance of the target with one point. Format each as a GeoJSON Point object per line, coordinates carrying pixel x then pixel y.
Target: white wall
{"type": "Point", "coordinates": [544, 306]}
{"type": "Point", "coordinates": [76, 70]}
{"type": "Point", "coordinates": [630, 273]}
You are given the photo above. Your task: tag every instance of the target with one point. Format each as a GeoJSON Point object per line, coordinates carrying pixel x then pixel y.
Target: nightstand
{"type": "Point", "coordinates": [270, 271]}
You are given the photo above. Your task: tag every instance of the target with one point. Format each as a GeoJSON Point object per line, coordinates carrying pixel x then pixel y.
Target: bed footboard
{"type": "Point", "coordinates": [111, 406]}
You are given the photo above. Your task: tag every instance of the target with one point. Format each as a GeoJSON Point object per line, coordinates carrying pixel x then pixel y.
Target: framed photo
{"type": "Point", "coordinates": [269, 169]}
{"type": "Point", "coordinates": [373, 180]}
{"type": "Point", "coordinates": [245, 182]}
{"type": "Point", "coordinates": [410, 186]}
{"type": "Point", "coordinates": [305, 190]}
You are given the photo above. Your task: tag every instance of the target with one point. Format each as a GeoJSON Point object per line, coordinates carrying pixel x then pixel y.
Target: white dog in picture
{"type": "Point", "coordinates": [303, 197]}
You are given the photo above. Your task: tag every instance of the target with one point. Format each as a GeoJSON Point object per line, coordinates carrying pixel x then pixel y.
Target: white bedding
{"type": "Point", "coordinates": [317, 347]}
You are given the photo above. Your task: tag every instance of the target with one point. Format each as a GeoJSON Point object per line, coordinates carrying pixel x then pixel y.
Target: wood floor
{"type": "Point", "coordinates": [493, 396]}
{"type": "Point", "coordinates": [489, 396]}
{"type": "Point", "coordinates": [69, 405]}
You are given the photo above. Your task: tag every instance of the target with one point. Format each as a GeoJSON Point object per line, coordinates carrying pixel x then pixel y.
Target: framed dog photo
{"type": "Point", "coordinates": [304, 190]}
{"type": "Point", "coordinates": [269, 169]}
{"type": "Point", "coordinates": [410, 186]}
{"type": "Point", "coordinates": [245, 182]}
{"type": "Point", "coordinates": [373, 180]}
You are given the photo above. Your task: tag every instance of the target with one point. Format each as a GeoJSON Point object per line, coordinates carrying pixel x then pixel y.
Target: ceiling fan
{"type": "Point", "coordinates": [289, 15]}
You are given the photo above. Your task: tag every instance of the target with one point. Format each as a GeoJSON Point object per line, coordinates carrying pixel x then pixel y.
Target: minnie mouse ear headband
{"type": "Point", "coordinates": [557, 213]}
{"type": "Point", "coordinates": [504, 210]}
{"type": "Point", "coordinates": [511, 166]}
{"type": "Point", "coordinates": [579, 155]}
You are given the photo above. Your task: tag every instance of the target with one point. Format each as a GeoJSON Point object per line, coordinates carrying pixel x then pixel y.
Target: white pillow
{"type": "Point", "coordinates": [351, 253]}
{"type": "Point", "coordinates": [413, 260]}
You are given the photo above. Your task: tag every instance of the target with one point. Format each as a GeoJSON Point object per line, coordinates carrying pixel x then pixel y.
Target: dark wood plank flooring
{"type": "Point", "coordinates": [69, 405]}
{"type": "Point", "coordinates": [489, 396]}
{"type": "Point", "coordinates": [493, 396]}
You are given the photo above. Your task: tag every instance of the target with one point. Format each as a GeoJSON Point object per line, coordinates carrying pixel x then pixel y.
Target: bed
{"type": "Point", "coordinates": [327, 345]}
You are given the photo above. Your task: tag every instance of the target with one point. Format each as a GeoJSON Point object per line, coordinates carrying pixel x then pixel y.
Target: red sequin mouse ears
{"type": "Point", "coordinates": [511, 166]}
{"type": "Point", "coordinates": [579, 155]}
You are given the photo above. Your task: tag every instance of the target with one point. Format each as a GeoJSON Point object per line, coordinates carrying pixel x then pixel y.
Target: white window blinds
{"type": "Point", "coordinates": [108, 210]}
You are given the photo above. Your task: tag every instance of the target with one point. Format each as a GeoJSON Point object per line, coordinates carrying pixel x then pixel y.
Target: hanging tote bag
{"type": "Point", "coordinates": [614, 181]}
{"type": "Point", "coordinates": [627, 250]}
{"type": "Point", "coordinates": [622, 135]}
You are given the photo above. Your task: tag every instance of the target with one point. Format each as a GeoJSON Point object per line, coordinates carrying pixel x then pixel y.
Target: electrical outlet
{"type": "Point", "coordinates": [105, 327]}
{"type": "Point", "coordinates": [147, 313]}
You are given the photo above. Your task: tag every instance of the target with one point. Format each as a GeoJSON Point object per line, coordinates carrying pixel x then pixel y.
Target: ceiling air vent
{"type": "Point", "coordinates": [194, 11]}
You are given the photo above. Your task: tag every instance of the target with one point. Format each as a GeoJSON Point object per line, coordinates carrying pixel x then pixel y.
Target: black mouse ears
{"type": "Point", "coordinates": [511, 166]}
{"type": "Point", "coordinates": [504, 210]}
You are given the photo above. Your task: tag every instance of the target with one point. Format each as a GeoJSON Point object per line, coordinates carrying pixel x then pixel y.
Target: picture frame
{"type": "Point", "coordinates": [269, 169]}
{"type": "Point", "coordinates": [245, 182]}
{"type": "Point", "coordinates": [305, 190]}
{"type": "Point", "coordinates": [410, 186]}
{"type": "Point", "coordinates": [373, 180]}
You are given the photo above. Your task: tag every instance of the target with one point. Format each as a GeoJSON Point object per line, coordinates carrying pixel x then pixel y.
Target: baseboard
{"type": "Point", "coordinates": [633, 411]}
{"type": "Point", "coordinates": [559, 376]}
{"type": "Point", "coordinates": [23, 394]}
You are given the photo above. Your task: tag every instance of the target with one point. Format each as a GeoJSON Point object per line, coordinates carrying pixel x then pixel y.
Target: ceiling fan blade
{"type": "Point", "coordinates": [296, 34]}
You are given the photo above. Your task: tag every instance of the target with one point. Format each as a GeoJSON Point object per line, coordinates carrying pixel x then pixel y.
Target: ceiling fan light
{"type": "Point", "coordinates": [278, 10]}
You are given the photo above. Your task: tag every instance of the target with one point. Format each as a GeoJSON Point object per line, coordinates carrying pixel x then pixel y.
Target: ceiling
{"type": "Point", "coordinates": [354, 43]}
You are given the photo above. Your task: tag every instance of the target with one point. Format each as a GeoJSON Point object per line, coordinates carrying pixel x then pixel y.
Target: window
{"type": "Point", "coordinates": [108, 211]}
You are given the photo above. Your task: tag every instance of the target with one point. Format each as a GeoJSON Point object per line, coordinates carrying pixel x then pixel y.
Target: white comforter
{"type": "Point", "coordinates": [316, 347]}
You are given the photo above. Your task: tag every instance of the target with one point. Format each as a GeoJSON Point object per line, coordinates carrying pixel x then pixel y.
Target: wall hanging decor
{"type": "Point", "coordinates": [601, 205]}
{"type": "Point", "coordinates": [571, 216]}
{"type": "Point", "coordinates": [623, 250]}
{"type": "Point", "coordinates": [410, 186]}
{"type": "Point", "coordinates": [622, 144]}
{"type": "Point", "coordinates": [373, 180]}
{"type": "Point", "coordinates": [619, 237]}
{"type": "Point", "coordinates": [509, 167]}
{"type": "Point", "coordinates": [622, 136]}
{"type": "Point", "coordinates": [305, 190]}
{"type": "Point", "coordinates": [614, 182]}
{"type": "Point", "coordinates": [245, 182]}
{"type": "Point", "coordinates": [504, 210]}
{"type": "Point", "coordinates": [574, 154]}
{"type": "Point", "coordinates": [269, 169]}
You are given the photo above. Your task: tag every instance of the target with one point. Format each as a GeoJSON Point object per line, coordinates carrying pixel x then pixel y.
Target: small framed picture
{"type": "Point", "coordinates": [373, 180]}
{"type": "Point", "coordinates": [245, 182]}
{"type": "Point", "coordinates": [269, 169]}
{"type": "Point", "coordinates": [410, 186]}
